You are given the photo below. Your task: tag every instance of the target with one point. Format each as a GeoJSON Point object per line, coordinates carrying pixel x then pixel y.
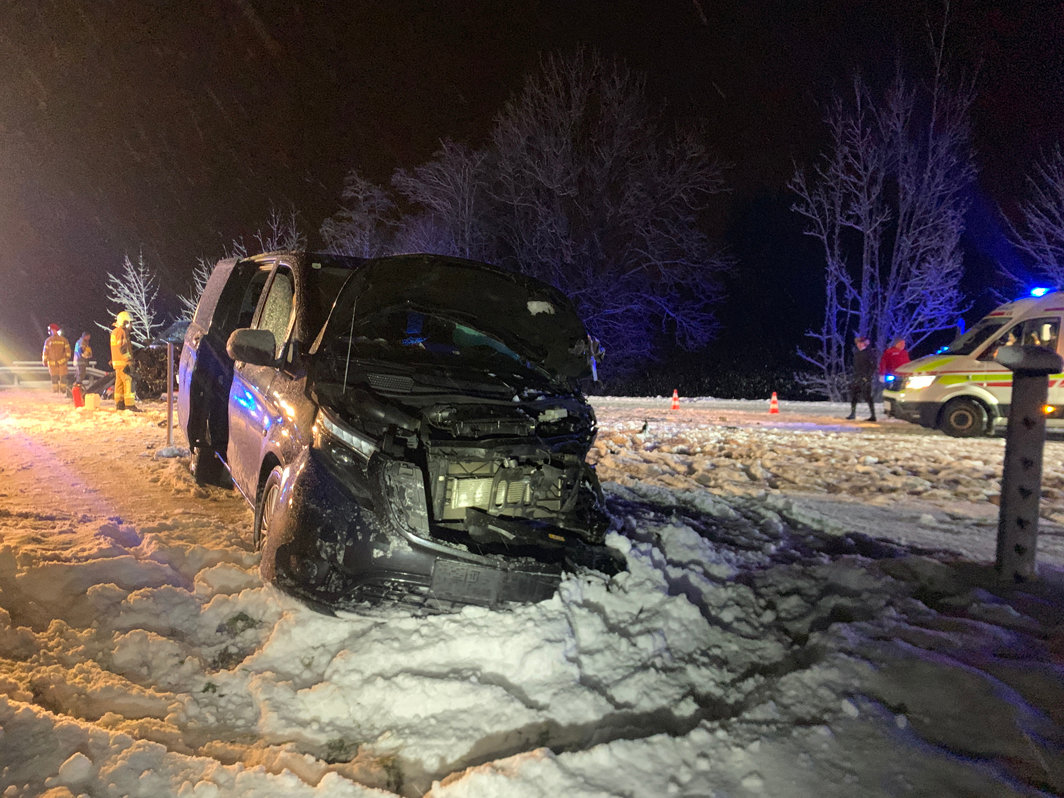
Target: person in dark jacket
{"type": "Point", "coordinates": [865, 364]}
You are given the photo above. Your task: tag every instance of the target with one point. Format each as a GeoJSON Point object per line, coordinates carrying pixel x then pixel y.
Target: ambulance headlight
{"type": "Point", "coordinates": [919, 382]}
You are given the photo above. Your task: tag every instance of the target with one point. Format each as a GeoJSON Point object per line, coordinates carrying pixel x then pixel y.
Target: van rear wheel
{"type": "Point", "coordinates": [964, 418]}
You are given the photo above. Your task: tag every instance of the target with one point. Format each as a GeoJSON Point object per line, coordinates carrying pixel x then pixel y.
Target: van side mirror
{"type": "Point", "coordinates": [257, 347]}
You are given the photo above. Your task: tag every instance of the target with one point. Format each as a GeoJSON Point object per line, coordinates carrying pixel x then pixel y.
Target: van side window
{"type": "Point", "coordinates": [1013, 336]}
{"type": "Point", "coordinates": [279, 308]}
{"type": "Point", "coordinates": [239, 298]}
{"type": "Point", "coordinates": [1042, 332]}
{"type": "Point", "coordinates": [250, 300]}
{"type": "Point", "coordinates": [1033, 332]}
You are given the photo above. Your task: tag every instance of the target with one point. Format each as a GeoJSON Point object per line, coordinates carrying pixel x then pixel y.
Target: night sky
{"type": "Point", "coordinates": [129, 125]}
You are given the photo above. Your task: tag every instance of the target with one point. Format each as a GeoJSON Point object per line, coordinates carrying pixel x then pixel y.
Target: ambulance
{"type": "Point", "coordinates": [962, 390]}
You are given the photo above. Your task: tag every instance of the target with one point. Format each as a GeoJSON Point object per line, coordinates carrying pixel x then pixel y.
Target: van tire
{"type": "Point", "coordinates": [265, 507]}
{"type": "Point", "coordinates": [964, 418]}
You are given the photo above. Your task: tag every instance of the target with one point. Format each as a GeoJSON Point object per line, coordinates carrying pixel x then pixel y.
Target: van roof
{"type": "Point", "coordinates": [1021, 307]}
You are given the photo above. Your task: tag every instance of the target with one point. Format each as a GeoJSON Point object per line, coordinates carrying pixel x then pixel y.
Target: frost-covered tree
{"type": "Point", "coordinates": [593, 193]}
{"type": "Point", "coordinates": [362, 226]}
{"type": "Point", "coordinates": [135, 290]}
{"type": "Point", "coordinates": [200, 274]}
{"type": "Point", "coordinates": [581, 185]}
{"type": "Point", "coordinates": [887, 203]}
{"type": "Point", "coordinates": [450, 190]}
{"type": "Point", "coordinates": [281, 232]}
{"type": "Point", "coordinates": [1039, 232]}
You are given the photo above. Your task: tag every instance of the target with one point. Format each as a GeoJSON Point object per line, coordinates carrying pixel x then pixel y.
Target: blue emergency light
{"type": "Point", "coordinates": [1039, 291]}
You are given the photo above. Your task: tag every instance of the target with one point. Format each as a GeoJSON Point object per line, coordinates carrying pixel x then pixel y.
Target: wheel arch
{"type": "Point", "coordinates": [269, 462]}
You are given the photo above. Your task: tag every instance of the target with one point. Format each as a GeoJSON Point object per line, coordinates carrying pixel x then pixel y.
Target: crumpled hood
{"type": "Point", "coordinates": [532, 318]}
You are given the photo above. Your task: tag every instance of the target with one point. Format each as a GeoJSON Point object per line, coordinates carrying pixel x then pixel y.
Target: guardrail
{"type": "Point", "coordinates": [34, 374]}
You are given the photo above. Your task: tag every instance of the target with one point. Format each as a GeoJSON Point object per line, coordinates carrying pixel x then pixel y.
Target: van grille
{"type": "Point", "coordinates": [390, 383]}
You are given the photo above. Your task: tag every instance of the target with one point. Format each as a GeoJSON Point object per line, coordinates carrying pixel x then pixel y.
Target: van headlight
{"type": "Point", "coordinates": [919, 382]}
{"type": "Point", "coordinates": [337, 431]}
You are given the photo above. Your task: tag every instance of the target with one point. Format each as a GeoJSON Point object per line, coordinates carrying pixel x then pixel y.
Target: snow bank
{"type": "Point", "coordinates": [806, 610]}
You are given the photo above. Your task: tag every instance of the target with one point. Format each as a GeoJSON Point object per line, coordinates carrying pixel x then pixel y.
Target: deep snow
{"type": "Point", "coordinates": [808, 610]}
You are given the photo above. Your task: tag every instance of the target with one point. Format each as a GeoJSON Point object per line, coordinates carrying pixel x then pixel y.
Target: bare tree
{"type": "Point", "coordinates": [135, 290]}
{"type": "Point", "coordinates": [887, 204]}
{"type": "Point", "coordinates": [362, 226]}
{"type": "Point", "coordinates": [1040, 232]}
{"type": "Point", "coordinates": [200, 274]}
{"type": "Point", "coordinates": [591, 193]}
{"type": "Point", "coordinates": [281, 232]}
{"type": "Point", "coordinates": [451, 190]}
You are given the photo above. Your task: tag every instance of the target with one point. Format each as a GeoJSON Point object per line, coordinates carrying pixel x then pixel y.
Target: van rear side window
{"type": "Point", "coordinates": [1044, 331]}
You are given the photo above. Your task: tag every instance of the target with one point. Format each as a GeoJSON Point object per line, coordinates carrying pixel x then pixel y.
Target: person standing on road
{"type": "Point", "coordinates": [82, 356]}
{"type": "Point", "coordinates": [121, 360]}
{"type": "Point", "coordinates": [864, 371]}
{"type": "Point", "coordinates": [896, 355]}
{"type": "Point", "coordinates": [55, 355]}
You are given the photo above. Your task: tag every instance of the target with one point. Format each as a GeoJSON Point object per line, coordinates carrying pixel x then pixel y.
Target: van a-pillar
{"type": "Point", "coordinates": [1021, 477]}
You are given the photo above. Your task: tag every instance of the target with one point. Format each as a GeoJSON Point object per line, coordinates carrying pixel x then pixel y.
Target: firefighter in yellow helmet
{"type": "Point", "coordinates": [121, 359]}
{"type": "Point", "coordinates": [55, 355]}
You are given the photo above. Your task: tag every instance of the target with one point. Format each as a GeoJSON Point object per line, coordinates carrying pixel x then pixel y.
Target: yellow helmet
{"type": "Point", "coordinates": [123, 318]}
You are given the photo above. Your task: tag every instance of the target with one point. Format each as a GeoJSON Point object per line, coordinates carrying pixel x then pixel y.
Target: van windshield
{"type": "Point", "coordinates": [977, 336]}
{"type": "Point", "coordinates": [419, 339]}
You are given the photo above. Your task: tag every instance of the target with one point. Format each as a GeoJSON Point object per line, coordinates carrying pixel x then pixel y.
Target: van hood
{"type": "Point", "coordinates": [533, 319]}
{"type": "Point", "coordinates": [927, 363]}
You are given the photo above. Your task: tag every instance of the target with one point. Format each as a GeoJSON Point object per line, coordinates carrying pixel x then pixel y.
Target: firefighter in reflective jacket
{"type": "Point", "coordinates": [55, 355]}
{"type": "Point", "coordinates": [121, 359]}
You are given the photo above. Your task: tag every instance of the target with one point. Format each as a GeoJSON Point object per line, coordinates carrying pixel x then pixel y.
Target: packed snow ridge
{"type": "Point", "coordinates": [809, 608]}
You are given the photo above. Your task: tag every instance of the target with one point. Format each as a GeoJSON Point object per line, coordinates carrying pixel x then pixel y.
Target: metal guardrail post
{"type": "Point", "coordinates": [1021, 477]}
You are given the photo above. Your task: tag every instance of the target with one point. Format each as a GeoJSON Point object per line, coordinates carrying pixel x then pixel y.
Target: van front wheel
{"type": "Point", "coordinates": [964, 418]}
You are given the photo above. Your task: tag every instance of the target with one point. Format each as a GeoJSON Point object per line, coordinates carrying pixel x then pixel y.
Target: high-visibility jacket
{"type": "Point", "coordinates": [56, 353]}
{"type": "Point", "coordinates": [121, 349]}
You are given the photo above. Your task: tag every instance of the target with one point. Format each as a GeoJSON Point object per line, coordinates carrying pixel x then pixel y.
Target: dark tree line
{"type": "Point", "coordinates": [582, 184]}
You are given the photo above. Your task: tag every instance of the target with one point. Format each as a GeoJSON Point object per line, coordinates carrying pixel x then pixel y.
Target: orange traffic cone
{"type": "Point", "coordinates": [773, 404]}
{"type": "Point", "coordinates": [675, 400]}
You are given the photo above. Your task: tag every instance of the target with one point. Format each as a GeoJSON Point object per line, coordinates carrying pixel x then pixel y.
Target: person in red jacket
{"type": "Point", "coordinates": [893, 357]}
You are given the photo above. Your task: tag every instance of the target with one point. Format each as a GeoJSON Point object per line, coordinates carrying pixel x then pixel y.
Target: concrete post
{"type": "Point", "coordinates": [1021, 477]}
{"type": "Point", "coordinates": [169, 394]}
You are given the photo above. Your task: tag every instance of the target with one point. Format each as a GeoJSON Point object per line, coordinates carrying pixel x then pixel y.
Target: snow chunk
{"type": "Point", "coordinates": [76, 770]}
{"type": "Point", "coordinates": [224, 578]}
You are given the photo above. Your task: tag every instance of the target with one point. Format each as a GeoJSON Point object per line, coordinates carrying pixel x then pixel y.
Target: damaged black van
{"type": "Point", "coordinates": [408, 428]}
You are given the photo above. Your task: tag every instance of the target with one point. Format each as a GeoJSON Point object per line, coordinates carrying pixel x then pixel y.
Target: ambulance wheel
{"type": "Point", "coordinates": [964, 418]}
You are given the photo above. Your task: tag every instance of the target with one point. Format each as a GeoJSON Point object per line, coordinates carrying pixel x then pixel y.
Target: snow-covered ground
{"type": "Point", "coordinates": [809, 609]}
